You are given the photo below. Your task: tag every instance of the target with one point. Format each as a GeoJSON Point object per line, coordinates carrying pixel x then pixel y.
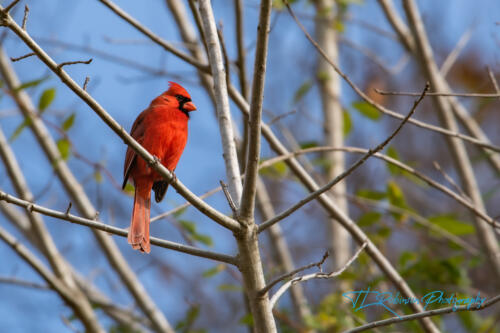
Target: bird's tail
{"type": "Point", "coordinates": [138, 235]}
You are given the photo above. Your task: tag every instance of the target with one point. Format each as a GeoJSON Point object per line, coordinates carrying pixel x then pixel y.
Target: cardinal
{"type": "Point", "coordinates": [162, 129]}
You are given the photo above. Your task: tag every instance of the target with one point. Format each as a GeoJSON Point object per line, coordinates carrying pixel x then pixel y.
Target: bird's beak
{"type": "Point", "coordinates": [189, 106]}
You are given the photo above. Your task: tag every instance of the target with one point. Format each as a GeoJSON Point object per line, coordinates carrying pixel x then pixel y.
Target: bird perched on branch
{"type": "Point", "coordinates": [162, 129]}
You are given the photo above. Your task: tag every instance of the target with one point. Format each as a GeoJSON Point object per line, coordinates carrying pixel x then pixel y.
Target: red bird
{"type": "Point", "coordinates": [162, 129]}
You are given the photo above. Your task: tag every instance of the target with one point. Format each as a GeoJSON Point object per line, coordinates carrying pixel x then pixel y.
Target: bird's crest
{"type": "Point", "coordinates": [176, 89]}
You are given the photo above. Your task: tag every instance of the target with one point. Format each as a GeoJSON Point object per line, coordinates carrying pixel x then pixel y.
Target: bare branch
{"type": "Point", "coordinates": [86, 62]}
{"type": "Point", "coordinates": [119, 130]}
{"type": "Point", "coordinates": [397, 93]}
{"type": "Point", "coordinates": [167, 46]}
{"type": "Point", "coordinates": [493, 80]}
{"type": "Point", "coordinates": [114, 230]}
{"type": "Point", "coordinates": [246, 212]}
{"type": "Point", "coordinates": [9, 7]}
{"type": "Point", "coordinates": [222, 100]}
{"type": "Point", "coordinates": [87, 80]}
{"type": "Point", "coordinates": [418, 219]}
{"type": "Point", "coordinates": [460, 199]}
{"type": "Point", "coordinates": [319, 275]}
{"type": "Point", "coordinates": [450, 180]}
{"type": "Point", "coordinates": [381, 108]}
{"type": "Point", "coordinates": [73, 187]}
{"type": "Point", "coordinates": [22, 57]}
{"type": "Point", "coordinates": [52, 281]}
{"type": "Point", "coordinates": [446, 109]}
{"type": "Point", "coordinates": [292, 273]}
{"type": "Point", "coordinates": [185, 205]}
{"type": "Point", "coordinates": [344, 174]}
{"type": "Point", "coordinates": [452, 57]}
{"type": "Point", "coordinates": [23, 283]}
{"type": "Point", "coordinates": [451, 309]}
{"type": "Point", "coordinates": [229, 199]}
{"type": "Point", "coordinates": [25, 18]}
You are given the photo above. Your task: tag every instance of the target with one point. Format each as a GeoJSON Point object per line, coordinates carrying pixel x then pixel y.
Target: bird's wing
{"type": "Point", "coordinates": [137, 132]}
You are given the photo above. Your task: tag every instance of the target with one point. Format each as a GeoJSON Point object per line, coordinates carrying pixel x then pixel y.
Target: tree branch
{"type": "Point", "coordinates": [381, 108]}
{"type": "Point", "coordinates": [119, 130]}
{"type": "Point", "coordinates": [76, 193]}
{"type": "Point", "coordinates": [114, 230]}
{"type": "Point", "coordinates": [292, 273]}
{"type": "Point", "coordinates": [71, 299]}
{"type": "Point", "coordinates": [457, 197]}
{"type": "Point", "coordinates": [420, 315]}
{"type": "Point", "coordinates": [246, 212]}
{"type": "Point", "coordinates": [319, 275]}
{"type": "Point", "coordinates": [222, 100]}
{"type": "Point", "coordinates": [346, 173]}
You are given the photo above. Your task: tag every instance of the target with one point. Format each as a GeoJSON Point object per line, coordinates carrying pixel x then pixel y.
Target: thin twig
{"type": "Point", "coordinates": [184, 205]}
{"type": "Point", "coordinates": [228, 198]}
{"type": "Point", "coordinates": [86, 62]}
{"type": "Point", "coordinates": [450, 180]}
{"type": "Point", "coordinates": [118, 129]}
{"type": "Point", "coordinates": [461, 200]}
{"type": "Point", "coordinates": [114, 230]}
{"type": "Point", "coordinates": [430, 313]}
{"type": "Point", "coordinates": [25, 18]}
{"type": "Point", "coordinates": [87, 79]}
{"type": "Point", "coordinates": [397, 93]}
{"type": "Point", "coordinates": [319, 275]}
{"type": "Point", "coordinates": [22, 57]}
{"type": "Point", "coordinates": [347, 172]}
{"type": "Point", "coordinates": [493, 80]}
{"type": "Point", "coordinates": [452, 57]}
{"type": "Point", "coordinates": [9, 7]}
{"type": "Point", "coordinates": [381, 108]}
{"type": "Point", "coordinates": [23, 283]}
{"type": "Point", "coordinates": [292, 273]}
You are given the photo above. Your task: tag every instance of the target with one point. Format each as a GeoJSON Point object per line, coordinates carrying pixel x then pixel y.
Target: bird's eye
{"type": "Point", "coordinates": [182, 99]}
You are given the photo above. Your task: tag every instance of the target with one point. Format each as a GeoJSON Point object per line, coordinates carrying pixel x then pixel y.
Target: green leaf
{"type": "Point", "coordinates": [30, 84]}
{"type": "Point", "coordinates": [406, 257]}
{"type": "Point", "coordinates": [369, 218]}
{"type": "Point", "coordinates": [302, 91]}
{"type": "Point", "coordinates": [191, 316]}
{"type": "Point", "coordinates": [229, 287]}
{"type": "Point", "coordinates": [213, 271]}
{"type": "Point", "coordinates": [178, 213]}
{"type": "Point", "coordinates": [207, 240]}
{"type": "Point", "coordinates": [129, 189]}
{"type": "Point", "coordinates": [347, 123]}
{"type": "Point", "coordinates": [450, 223]}
{"type": "Point", "coordinates": [98, 176]}
{"type": "Point", "coordinates": [276, 170]}
{"type": "Point", "coordinates": [308, 144]}
{"type": "Point", "coordinates": [68, 122]}
{"type": "Point", "coordinates": [64, 147]}
{"type": "Point", "coordinates": [395, 195]}
{"type": "Point", "coordinates": [338, 25]}
{"type": "Point", "coordinates": [367, 110]}
{"type": "Point", "coordinates": [247, 320]}
{"type": "Point", "coordinates": [370, 194]}
{"type": "Point", "coordinates": [393, 153]}
{"type": "Point", "coordinates": [46, 99]}
{"type": "Point", "coordinates": [396, 198]}
{"type": "Point", "coordinates": [189, 226]}
{"type": "Point", "coordinates": [323, 76]}
{"type": "Point", "coordinates": [20, 128]}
